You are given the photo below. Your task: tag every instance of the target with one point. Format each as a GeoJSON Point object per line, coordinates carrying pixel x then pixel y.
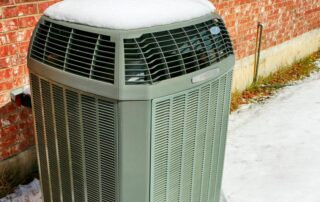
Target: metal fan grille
{"type": "Point", "coordinates": [82, 53]}
{"type": "Point", "coordinates": [77, 143]}
{"type": "Point", "coordinates": [188, 141]}
{"type": "Point", "coordinates": [163, 55]}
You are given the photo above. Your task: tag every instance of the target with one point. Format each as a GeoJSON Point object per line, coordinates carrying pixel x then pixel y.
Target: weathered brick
{"type": "Point", "coordinates": [4, 98]}
{"type": "Point", "coordinates": [24, 35]}
{"type": "Point", "coordinates": [6, 2]}
{"type": "Point", "coordinates": [44, 5]}
{"type": "Point", "coordinates": [27, 9]}
{"type": "Point", "coordinates": [6, 85]}
{"type": "Point", "coordinates": [8, 50]}
{"type": "Point", "coordinates": [18, 70]}
{"type": "Point", "coordinates": [8, 25]}
{"type": "Point", "coordinates": [6, 74]}
{"type": "Point", "coordinates": [29, 21]}
{"type": "Point", "coordinates": [26, 1]}
{"type": "Point", "coordinates": [9, 12]}
{"type": "Point", "coordinates": [5, 62]}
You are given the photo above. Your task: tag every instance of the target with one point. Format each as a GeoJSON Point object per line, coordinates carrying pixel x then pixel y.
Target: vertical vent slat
{"type": "Point", "coordinates": [207, 165]}
{"type": "Point", "coordinates": [76, 146]}
{"type": "Point", "coordinates": [78, 131]}
{"type": "Point", "coordinates": [188, 141]}
{"type": "Point", "coordinates": [91, 149]}
{"type": "Point", "coordinates": [108, 150]}
{"type": "Point", "coordinates": [200, 146]}
{"type": "Point", "coordinates": [62, 138]}
{"type": "Point", "coordinates": [158, 56]}
{"type": "Point", "coordinates": [217, 138]}
{"type": "Point", "coordinates": [162, 117]}
{"type": "Point", "coordinates": [51, 140]}
{"type": "Point", "coordinates": [224, 128]}
{"type": "Point", "coordinates": [78, 52]}
{"type": "Point", "coordinates": [178, 111]}
{"type": "Point", "coordinates": [40, 137]}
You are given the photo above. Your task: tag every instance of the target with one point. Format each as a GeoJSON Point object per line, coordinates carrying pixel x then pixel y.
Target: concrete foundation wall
{"type": "Point", "coordinates": [275, 57]}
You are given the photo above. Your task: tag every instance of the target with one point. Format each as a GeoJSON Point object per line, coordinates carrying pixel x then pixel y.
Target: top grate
{"type": "Point", "coordinates": [163, 55]}
{"type": "Point", "coordinates": [78, 52]}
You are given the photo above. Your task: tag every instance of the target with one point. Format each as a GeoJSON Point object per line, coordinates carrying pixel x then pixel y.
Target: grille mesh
{"type": "Point", "coordinates": [188, 140]}
{"type": "Point", "coordinates": [163, 55]}
{"type": "Point", "coordinates": [78, 52]}
{"type": "Point", "coordinates": [77, 136]}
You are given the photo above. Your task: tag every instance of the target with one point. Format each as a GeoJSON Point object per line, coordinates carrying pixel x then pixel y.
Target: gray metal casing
{"type": "Point", "coordinates": [135, 108]}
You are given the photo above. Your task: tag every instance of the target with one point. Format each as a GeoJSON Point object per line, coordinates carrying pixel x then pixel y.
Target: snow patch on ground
{"type": "Point", "coordinates": [25, 193]}
{"type": "Point", "coordinates": [273, 149]}
{"type": "Point", "coordinates": [128, 14]}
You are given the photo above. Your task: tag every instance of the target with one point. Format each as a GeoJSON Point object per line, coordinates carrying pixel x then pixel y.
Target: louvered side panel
{"type": "Point", "coordinates": [188, 140]}
{"type": "Point", "coordinates": [77, 143]}
{"type": "Point", "coordinates": [40, 136]}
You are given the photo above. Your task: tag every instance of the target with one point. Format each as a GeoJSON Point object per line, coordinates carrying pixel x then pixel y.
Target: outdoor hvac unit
{"type": "Point", "coordinates": [131, 115]}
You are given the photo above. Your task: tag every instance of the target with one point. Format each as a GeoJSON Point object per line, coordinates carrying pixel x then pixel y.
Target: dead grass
{"type": "Point", "coordinates": [265, 87]}
{"type": "Point", "coordinates": [10, 178]}
{"type": "Point", "coordinates": [7, 181]}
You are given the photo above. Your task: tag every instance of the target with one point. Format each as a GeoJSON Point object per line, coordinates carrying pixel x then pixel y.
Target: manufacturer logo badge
{"type": "Point", "coordinates": [215, 30]}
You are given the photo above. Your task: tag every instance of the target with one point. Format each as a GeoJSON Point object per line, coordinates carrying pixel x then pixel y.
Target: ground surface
{"type": "Point", "coordinates": [272, 153]}
{"type": "Point", "coordinates": [25, 193]}
{"type": "Point", "coordinates": [273, 148]}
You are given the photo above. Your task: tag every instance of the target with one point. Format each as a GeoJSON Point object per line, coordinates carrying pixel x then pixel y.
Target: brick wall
{"type": "Point", "coordinates": [282, 19]}
{"type": "Point", "coordinates": [17, 20]}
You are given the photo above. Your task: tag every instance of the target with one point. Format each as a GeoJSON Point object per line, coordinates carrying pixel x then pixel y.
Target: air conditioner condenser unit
{"type": "Point", "coordinates": [131, 115]}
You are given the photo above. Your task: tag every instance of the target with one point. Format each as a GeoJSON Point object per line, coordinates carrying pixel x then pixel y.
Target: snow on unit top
{"type": "Point", "coordinates": [128, 14]}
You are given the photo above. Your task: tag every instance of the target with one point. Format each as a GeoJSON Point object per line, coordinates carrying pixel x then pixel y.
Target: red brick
{"type": "Point", "coordinates": [6, 85]}
{"type": "Point", "coordinates": [4, 98]}
{"type": "Point", "coordinates": [24, 47]}
{"type": "Point", "coordinates": [27, 9]}
{"type": "Point", "coordinates": [9, 37]}
{"type": "Point", "coordinates": [9, 12]}
{"type": "Point", "coordinates": [8, 50]}
{"type": "Point", "coordinates": [18, 81]}
{"type": "Point", "coordinates": [26, 1]}
{"type": "Point", "coordinates": [44, 5]}
{"type": "Point", "coordinates": [8, 25]}
{"type": "Point", "coordinates": [18, 70]}
{"type": "Point", "coordinates": [6, 2]}
{"type": "Point", "coordinates": [5, 62]}
{"type": "Point", "coordinates": [25, 22]}
{"type": "Point", "coordinates": [24, 35]}
{"type": "Point", "coordinates": [6, 74]}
